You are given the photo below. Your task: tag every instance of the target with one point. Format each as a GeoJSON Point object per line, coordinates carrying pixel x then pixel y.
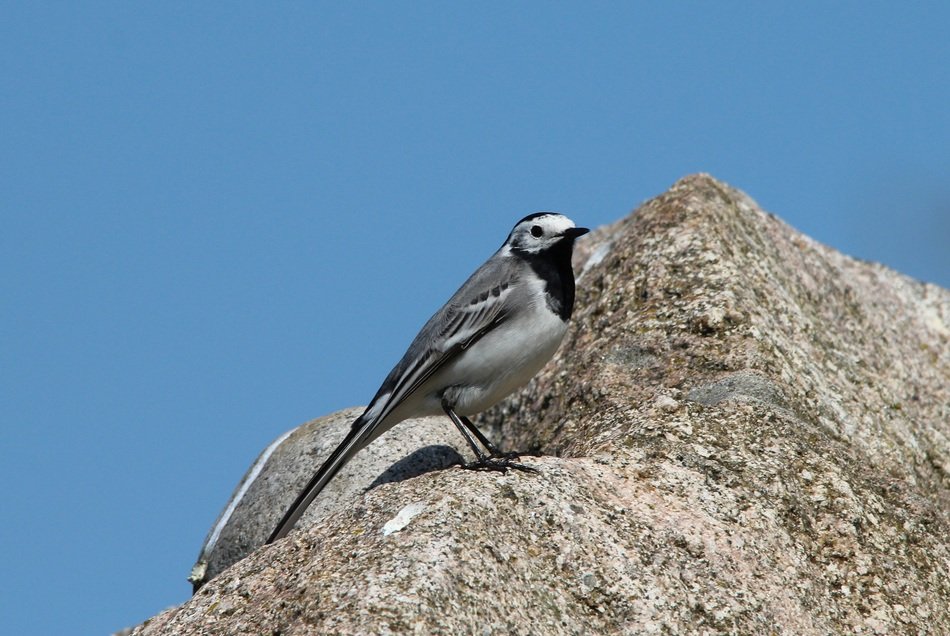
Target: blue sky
{"type": "Point", "coordinates": [223, 219]}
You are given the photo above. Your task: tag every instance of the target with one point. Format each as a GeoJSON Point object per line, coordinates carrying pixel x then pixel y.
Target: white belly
{"type": "Point", "coordinates": [502, 361]}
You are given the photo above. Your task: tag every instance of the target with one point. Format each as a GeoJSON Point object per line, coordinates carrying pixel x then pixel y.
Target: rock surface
{"type": "Point", "coordinates": [746, 432]}
{"type": "Point", "coordinates": [273, 481]}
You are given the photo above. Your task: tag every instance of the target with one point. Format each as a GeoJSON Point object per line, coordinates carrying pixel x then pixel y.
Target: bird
{"type": "Point", "coordinates": [491, 337]}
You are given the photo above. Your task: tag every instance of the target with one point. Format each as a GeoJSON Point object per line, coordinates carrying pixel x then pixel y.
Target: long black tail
{"type": "Point", "coordinates": [351, 444]}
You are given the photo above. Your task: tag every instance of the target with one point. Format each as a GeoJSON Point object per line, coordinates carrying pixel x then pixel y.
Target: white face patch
{"type": "Point", "coordinates": [539, 232]}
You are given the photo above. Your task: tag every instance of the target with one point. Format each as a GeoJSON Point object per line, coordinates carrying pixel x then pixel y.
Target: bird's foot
{"type": "Point", "coordinates": [499, 464]}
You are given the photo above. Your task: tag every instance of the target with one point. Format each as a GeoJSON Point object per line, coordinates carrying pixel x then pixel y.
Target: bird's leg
{"type": "Point", "coordinates": [496, 460]}
{"type": "Point", "coordinates": [465, 432]}
{"type": "Point", "coordinates": [493, 450]}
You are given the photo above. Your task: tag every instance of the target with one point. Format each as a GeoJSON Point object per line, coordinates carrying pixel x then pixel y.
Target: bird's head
{"type": "Point", "coordinates": [543, 231]}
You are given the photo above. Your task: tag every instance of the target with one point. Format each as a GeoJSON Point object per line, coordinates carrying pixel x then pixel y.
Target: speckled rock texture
{"type": "Point", "coordinates": [283, 469]}
{"type": "Point", "coordinates": [745, 432]}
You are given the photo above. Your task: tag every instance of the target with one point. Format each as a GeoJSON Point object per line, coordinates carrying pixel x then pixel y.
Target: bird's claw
{"type": "Point", "coordinates": [510, 455]}
{"type": "Point", "coordinates": [499, 463]}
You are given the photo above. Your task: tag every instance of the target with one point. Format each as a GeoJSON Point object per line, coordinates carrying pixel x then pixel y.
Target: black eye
{"type": "Point", "coordinates": [536, 231]}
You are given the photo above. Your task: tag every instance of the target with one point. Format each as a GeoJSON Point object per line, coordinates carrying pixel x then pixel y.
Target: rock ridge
{"type": "Point", "coordinates": [744, 432]}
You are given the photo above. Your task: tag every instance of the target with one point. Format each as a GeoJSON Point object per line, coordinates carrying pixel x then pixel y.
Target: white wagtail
{"type": "Point", "coordinates": [493, 335]}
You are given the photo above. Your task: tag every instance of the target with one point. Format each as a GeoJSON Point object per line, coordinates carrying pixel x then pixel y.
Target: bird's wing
{"type": "Point", "coordinates": [479, 306]}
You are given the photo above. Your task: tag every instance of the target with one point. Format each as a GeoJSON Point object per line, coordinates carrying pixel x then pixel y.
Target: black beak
{"type": "Point", "coordinates": [574, 232]}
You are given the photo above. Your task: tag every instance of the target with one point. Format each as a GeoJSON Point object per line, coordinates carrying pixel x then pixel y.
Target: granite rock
{"type": "Point", "coordinates": [745, 432]}
{"type": "Point", "coordinates": [282, 469]}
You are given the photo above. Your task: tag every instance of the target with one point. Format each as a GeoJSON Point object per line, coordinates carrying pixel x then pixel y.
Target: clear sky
{"type": "Point", "coordinates": [220, 220]}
